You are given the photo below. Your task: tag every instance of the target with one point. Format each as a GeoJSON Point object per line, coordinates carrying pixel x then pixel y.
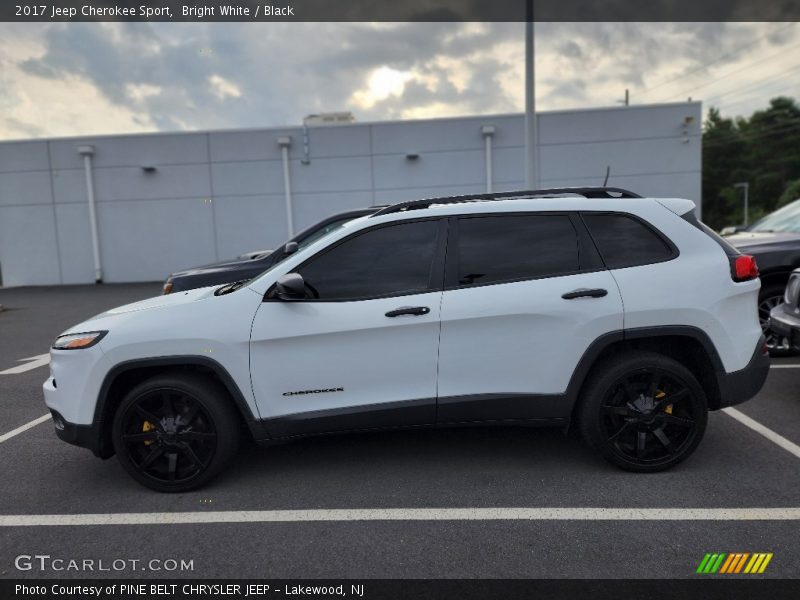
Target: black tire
{"type": "Point", "coordinates": [769, 297]}
{"type": "Point", "coordinates": [175, 432]}
{"type": "Point", "coordinates": [625, 418]}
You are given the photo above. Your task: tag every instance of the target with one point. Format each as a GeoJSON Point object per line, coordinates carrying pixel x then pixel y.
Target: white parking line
{"type": "Point", "coordinates": [797, 366]}
{"type": "Point", "coordinates": [766, 432]}
{"type": "Point", "coordinates": [23, 428]}
{"type": "Point", "coordinates": [37, 361]}
{"type": "Point", "coordinates": [409, 514]}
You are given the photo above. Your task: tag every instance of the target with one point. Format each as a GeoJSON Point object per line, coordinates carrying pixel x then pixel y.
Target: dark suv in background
{"type": "Point", "coordinates": [252, 264]}
{"type": "Point", "coordinates": [774, 241]}
{"type": "Point", "coordinates": [785, 318]}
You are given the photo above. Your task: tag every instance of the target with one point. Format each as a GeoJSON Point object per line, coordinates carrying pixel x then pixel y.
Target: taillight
{"type": "Point", "coordinates": [743, 268]}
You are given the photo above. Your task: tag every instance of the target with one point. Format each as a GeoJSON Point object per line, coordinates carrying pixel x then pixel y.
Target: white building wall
{"type": "Point", "coordinates": [215, 195]}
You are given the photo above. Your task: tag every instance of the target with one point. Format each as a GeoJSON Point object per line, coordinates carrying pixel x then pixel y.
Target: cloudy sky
{"type": "Point", "coordinates": [90, 78]}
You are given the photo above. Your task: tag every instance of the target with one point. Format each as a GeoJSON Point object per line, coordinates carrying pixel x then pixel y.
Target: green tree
{"type": "Point", "coordinates": [763, 150]}
{"type": "Point", "coordinates": [791, 194]}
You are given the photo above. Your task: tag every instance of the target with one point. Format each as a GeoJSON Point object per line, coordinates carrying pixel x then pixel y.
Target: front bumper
{"type": "Point", "coordinates": [740, 386]}
{"type": "Point", "coordinates": [786, 325]}
{"type": "Point", "coordinates": [71, 393]}
{"type": "Point", "coordinates": [85, 436]}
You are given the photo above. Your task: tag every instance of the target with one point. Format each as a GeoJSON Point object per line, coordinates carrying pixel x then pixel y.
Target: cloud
{"type": "Point", "coordinates": [83, 78]}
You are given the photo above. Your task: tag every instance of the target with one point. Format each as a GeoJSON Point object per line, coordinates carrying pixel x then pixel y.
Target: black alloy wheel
{"type": "Point", "coordinates": [645, 413]}
{"type": "Point", "coordinates": [173, 433]}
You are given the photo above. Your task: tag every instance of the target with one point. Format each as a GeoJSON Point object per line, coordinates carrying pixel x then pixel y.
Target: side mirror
{"type": "Point", "coordinates": [290, 248]}
{"type": "Point", "coordinates": [290, 287]}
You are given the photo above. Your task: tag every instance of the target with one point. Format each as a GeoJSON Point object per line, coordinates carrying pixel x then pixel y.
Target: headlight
{"type": "Point", "coordinates": [167, 287]}
{"type": "Point", "coordinates": [77, 341]}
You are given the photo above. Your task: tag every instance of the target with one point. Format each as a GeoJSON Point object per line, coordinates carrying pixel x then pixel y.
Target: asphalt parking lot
{"type": "Point", "coordinates": [333, 484]}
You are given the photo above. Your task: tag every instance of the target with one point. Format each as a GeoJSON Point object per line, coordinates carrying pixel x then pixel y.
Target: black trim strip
{"type": "Point", "coordinates": [502, 407]}
{"type": "Point", "coordinates": [405, 413]}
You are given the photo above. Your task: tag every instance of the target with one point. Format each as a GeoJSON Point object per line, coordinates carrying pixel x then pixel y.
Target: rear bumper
{"type": "Point", "coordinates": [740, 386]}
{"type": "Point", "coordinates": [786, 325]}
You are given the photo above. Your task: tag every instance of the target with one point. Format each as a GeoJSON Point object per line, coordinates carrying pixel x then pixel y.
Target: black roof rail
{"type": "Point", "coordinates": [586, 192]}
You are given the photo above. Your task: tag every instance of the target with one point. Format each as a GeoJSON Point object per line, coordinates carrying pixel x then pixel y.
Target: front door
{"type": "Point", "coordinates": [360, 351]}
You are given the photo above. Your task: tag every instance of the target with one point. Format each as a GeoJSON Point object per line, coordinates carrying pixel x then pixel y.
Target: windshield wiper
{"type": "Point", "coordinates": [230, 287]}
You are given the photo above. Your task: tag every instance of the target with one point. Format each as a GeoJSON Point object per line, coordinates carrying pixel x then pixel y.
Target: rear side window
{"type": "Point", "coordinates": [506, 248]}
{"type": "Point", "coordinates": [626, 242]}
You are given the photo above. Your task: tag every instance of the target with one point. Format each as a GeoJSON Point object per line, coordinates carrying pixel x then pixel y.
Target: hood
{"type": "Point", "coordinates": [754, 239]}
{"type": "Point", "coordinates": [160, 301]}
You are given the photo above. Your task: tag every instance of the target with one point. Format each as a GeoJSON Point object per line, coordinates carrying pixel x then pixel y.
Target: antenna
{"type": "Point", "coordinates": [608, 172]}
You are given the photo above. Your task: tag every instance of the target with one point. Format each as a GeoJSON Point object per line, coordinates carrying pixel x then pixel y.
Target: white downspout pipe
{"type": "Point", "coordinates": [87, 152]}
{"type": "Point", "coordinates": [531, 160]}
{"type": "Point", "coordinates": [488, 134]}
{"type": "Point", "coordinates": [284, 142]}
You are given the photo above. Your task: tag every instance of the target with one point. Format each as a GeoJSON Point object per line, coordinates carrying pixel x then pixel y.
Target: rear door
{"type": "Point", "coordinates": [525, 295]}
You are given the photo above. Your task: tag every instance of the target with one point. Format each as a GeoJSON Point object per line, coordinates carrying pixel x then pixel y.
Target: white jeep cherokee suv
{"type": "Point", "coordinates": [622, 315]}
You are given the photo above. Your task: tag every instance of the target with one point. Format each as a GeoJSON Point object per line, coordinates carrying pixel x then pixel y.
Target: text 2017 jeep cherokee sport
{"type": "Point", "coordinates": [623, 315]}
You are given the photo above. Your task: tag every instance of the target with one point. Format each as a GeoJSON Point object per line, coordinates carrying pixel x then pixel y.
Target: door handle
{"type": "Point", "coordinates": [585, 293]}
{"type": "Point", "coordinates": [409, 310]}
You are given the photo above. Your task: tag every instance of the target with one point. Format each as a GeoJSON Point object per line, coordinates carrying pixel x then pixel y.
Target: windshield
{"type": "Point", "coordinates": [322, 232]}
{"type": "Point", "coordinates": [312, 237]}
{"type": "Point", "coordinates": [785, 219]}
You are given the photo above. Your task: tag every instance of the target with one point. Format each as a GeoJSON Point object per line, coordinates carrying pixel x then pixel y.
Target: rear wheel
{"type": "Point", "coordinates": [174, 432]}
{"type": "Point", "coordinates": [643, 411]}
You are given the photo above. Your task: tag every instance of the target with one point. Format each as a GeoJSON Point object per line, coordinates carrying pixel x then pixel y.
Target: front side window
{"type": "Point", "coordinates": [514, 247]}
{"type": "Point", "coordinates": [385, 261]}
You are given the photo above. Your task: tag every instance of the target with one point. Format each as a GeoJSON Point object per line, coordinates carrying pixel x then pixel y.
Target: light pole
{"type": "Point", "coordinates": [746, 187]}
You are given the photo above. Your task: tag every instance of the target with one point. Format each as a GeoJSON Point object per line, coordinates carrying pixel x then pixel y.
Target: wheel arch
{"type": "Point", "coordinates": [688, 345]}
{"type": "Point", "coordinates": [123, 376]}
{"type": "Point", "coordinates": [775, 276]}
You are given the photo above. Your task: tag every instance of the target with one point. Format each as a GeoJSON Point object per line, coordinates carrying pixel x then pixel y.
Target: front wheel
{"type": "Point", "coordinates": [643, 411]}
{"type": "Point", "coordinates": [174, 432]}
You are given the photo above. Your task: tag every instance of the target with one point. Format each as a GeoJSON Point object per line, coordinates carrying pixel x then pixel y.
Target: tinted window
{"type": "Point", "coordinates": [625, 242]}
{"type": "Point", "coordinates": [511, 247]}
{"type": "Point", "coordinates": [384, 261]}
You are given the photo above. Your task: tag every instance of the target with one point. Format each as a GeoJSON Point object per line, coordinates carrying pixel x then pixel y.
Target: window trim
{"type": "Point", "coordinates": [674, 250]}
{"type": "Point", "coordinates": [435, 281]}
{"type": "Point", "coordinates": [451, 274]}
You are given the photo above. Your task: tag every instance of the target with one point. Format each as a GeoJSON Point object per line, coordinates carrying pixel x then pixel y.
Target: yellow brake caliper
{"type": "Point", "coordinates": [668, 407]}
{"type": "Point", "coordinates": [147, 426]}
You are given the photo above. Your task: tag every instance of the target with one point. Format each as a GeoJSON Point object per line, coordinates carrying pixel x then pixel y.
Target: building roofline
{"type": "Point", "coordinates": [284, 128]}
